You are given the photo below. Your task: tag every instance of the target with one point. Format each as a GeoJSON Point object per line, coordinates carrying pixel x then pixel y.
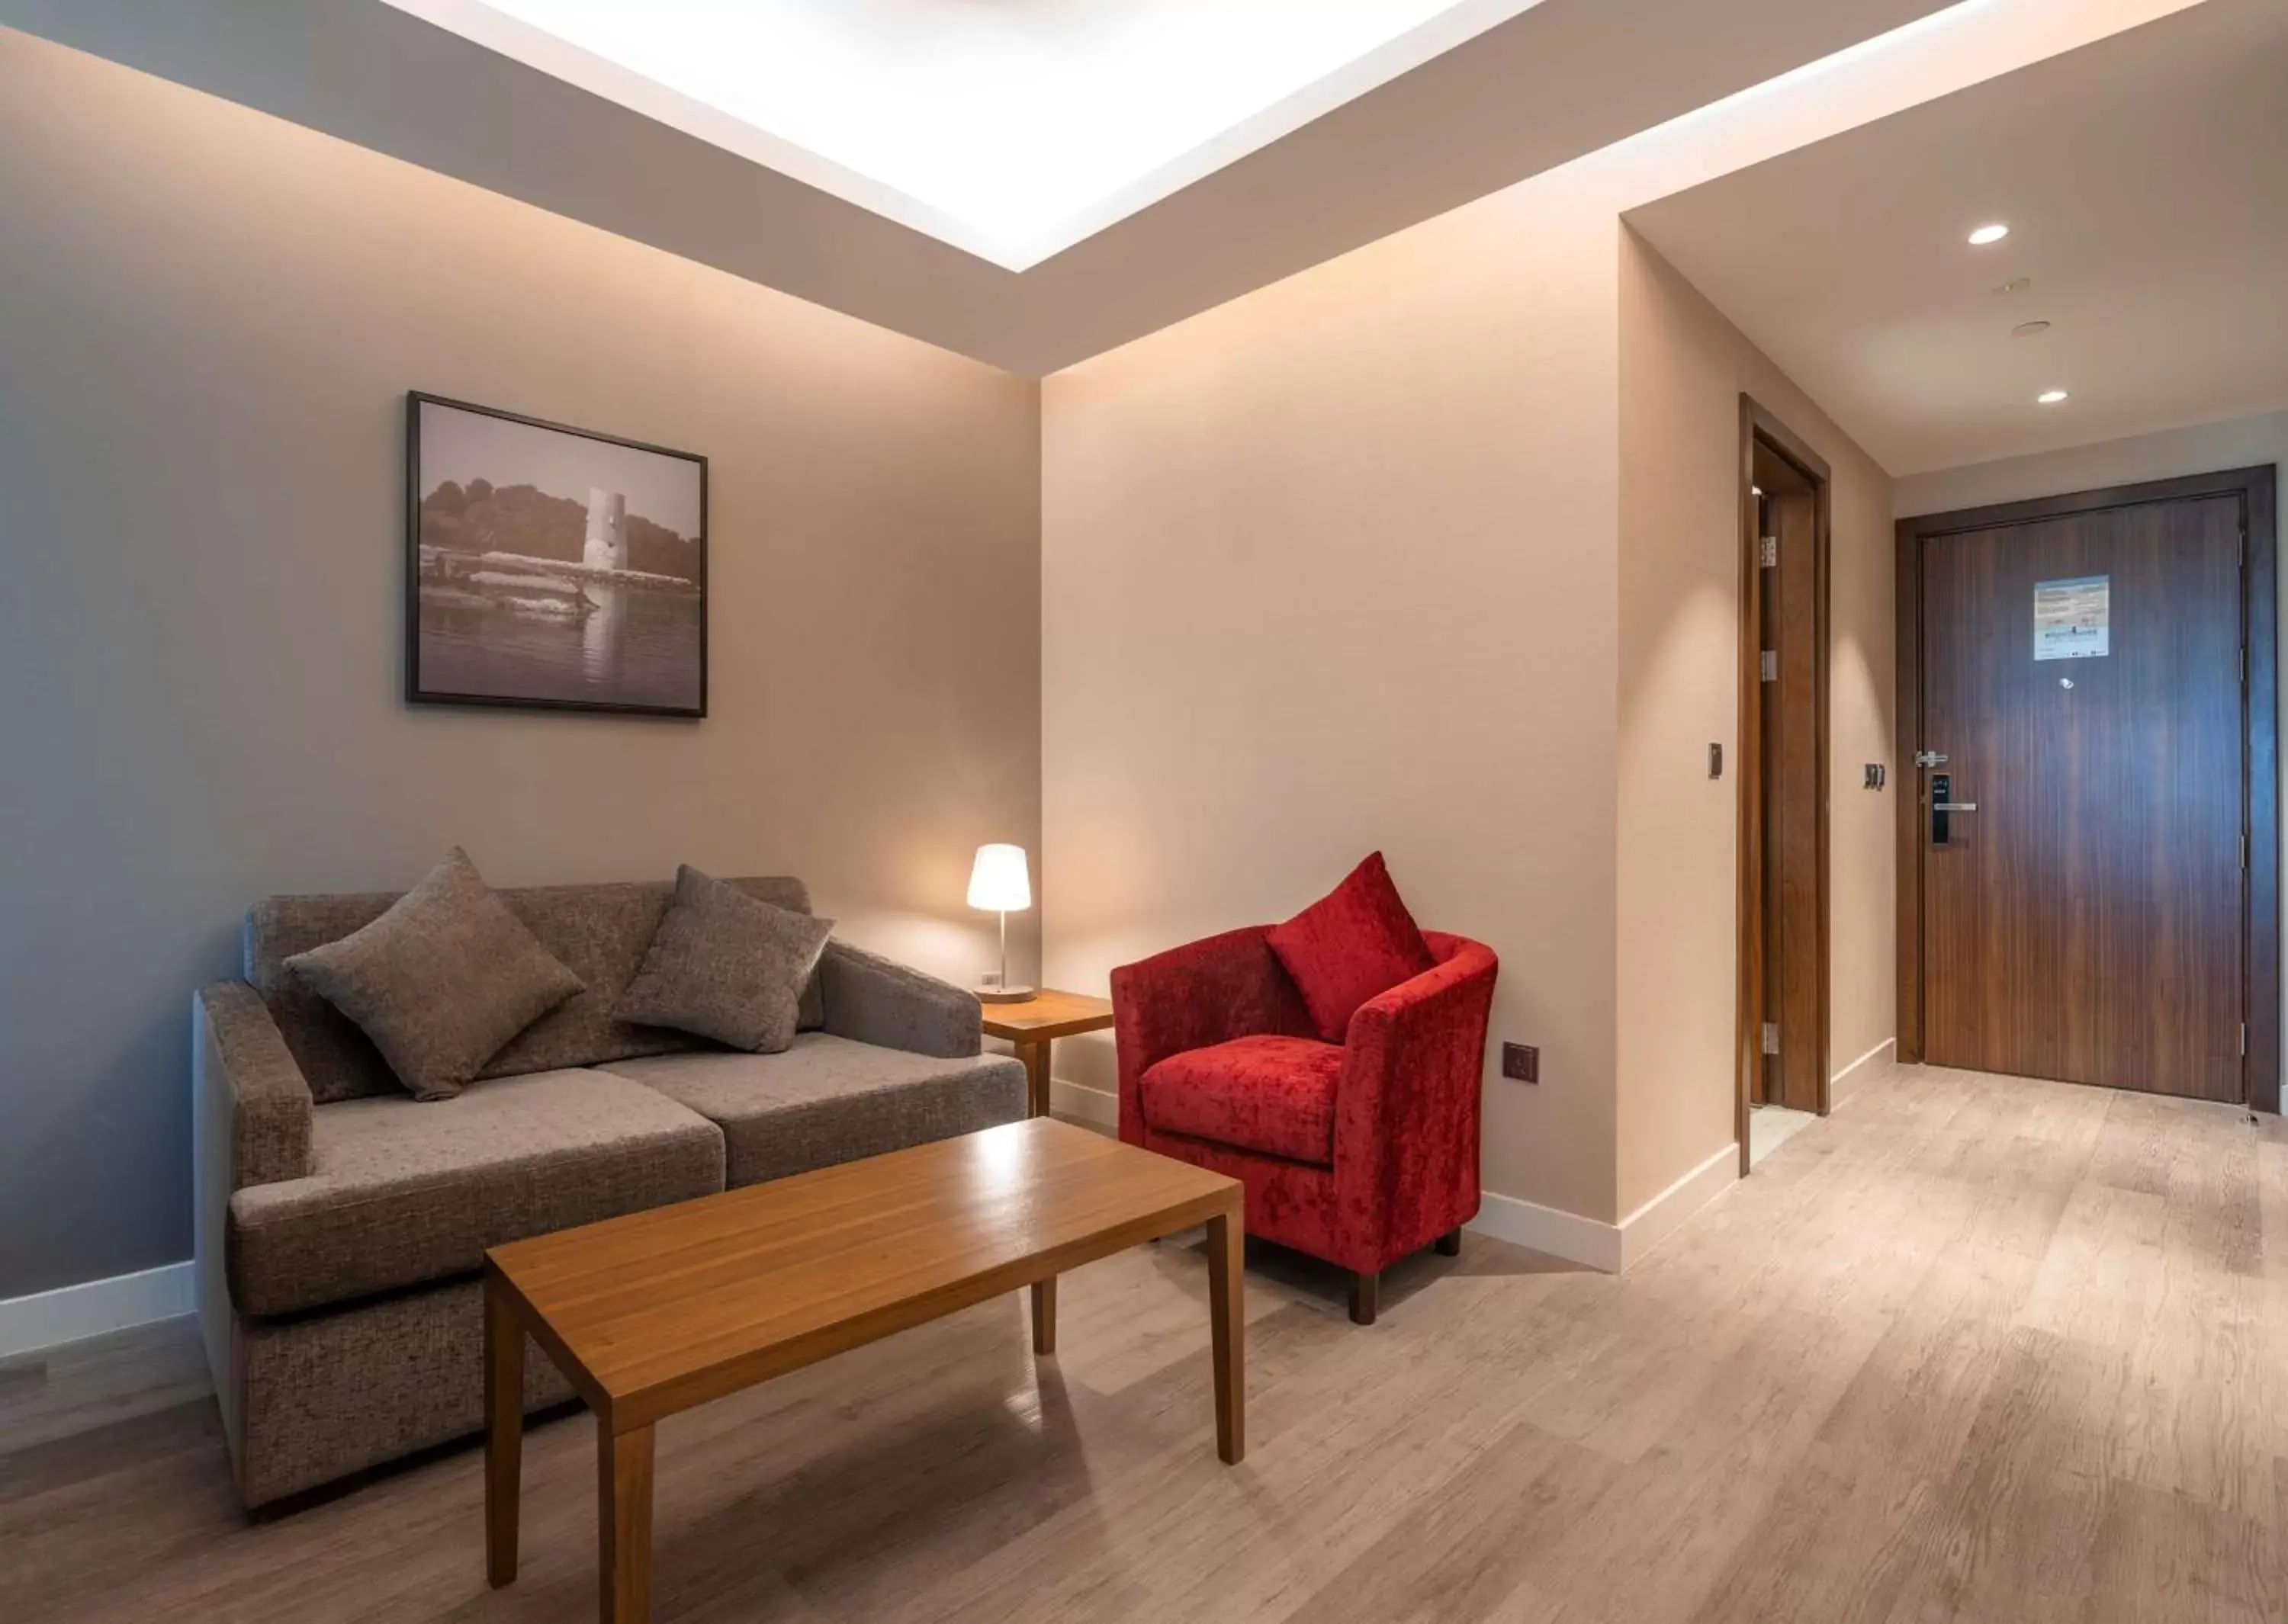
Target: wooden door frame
{"type": "Point", "coordinates": [1756, 423]}
{"type": "Point", "coordinates": [2260, 755]}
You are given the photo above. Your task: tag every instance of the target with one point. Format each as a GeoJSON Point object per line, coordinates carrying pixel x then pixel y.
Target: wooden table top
{"type": "Point", "coordinates": [653, 1312]}
{"type": "Point", "coordinates": [1048, 1014]}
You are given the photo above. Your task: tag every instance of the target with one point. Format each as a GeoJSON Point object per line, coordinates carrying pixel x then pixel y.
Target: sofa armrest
{"type": "Point", "coordinates": [1407, 1112]}
{"type": "Point", "coordinates": [254, 1104]}
{"type": "Point", "coordinates": [250, 1121]}
{"type": "Point", "coordinates": [1204, 993]}
{"type": "Point", "coordinates": [873, 999]}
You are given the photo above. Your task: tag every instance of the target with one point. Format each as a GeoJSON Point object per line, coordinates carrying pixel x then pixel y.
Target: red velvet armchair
{"type": "Point", "coordinates": [1360, 1153]}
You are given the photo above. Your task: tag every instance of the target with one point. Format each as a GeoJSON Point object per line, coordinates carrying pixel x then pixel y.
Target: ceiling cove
{"type": "Point", "coordinates": [1303, 151]}
{"type": "Point", "coordinates": [1012, 130]}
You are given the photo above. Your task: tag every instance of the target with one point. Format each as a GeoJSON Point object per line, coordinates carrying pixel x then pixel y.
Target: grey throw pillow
{"type": "Point", "coordinates": [442, 980]}
{"type": "Point", "coordinates": [726, 966]}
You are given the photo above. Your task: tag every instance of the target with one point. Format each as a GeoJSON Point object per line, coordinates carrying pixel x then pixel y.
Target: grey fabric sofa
{"type": "Point", "coordinates": [342, 1224]}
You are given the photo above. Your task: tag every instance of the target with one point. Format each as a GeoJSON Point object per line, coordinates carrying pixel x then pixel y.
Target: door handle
{"type": "Point", "coordinates": [1942, 805]}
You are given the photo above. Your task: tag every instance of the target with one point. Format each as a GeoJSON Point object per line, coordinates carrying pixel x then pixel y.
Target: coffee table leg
{"type": "Point", "coordinates": [623, 1523]}
{"type": "Point", "coordinates": [1227, 1331]}
{"type": "Point", "coordinates": [1045, 1315]}
{"type": "Point", "coordinates": [503, 1430]}
{"type": "Point", "coordinates": [1035, 1056]}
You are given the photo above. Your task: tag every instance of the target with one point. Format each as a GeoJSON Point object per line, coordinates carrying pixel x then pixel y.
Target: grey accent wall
{"type": "Point", "coordinates": [208, 321]}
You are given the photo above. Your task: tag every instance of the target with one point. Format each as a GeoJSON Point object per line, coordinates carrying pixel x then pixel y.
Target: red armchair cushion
{"type": "Point", "coordinates": [1355, 943]}
{"type": "Point", "coordinates": [1276, 1095]}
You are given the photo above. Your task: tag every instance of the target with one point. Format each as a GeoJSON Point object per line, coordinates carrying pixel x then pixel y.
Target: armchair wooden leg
{"type": "Point", "coordinates": [1450, 1244]}
{"type": "Point", "coordinates": [1365, 1289]}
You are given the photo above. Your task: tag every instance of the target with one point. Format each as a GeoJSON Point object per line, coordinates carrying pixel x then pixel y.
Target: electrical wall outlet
{"type": "Point", "coordinates": [1521, 1063]}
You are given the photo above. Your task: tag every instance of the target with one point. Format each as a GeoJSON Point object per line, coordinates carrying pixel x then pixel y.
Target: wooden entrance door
{"type": "Point", "coordinates": [2085, 913]}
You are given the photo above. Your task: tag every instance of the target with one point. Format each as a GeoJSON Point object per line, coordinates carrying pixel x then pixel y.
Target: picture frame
{"type": "Point", "coordinates": [549, 567]}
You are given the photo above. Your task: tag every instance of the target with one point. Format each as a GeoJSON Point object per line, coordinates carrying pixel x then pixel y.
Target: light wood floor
{"type": "Point", "coordinates": [1971, 1349]}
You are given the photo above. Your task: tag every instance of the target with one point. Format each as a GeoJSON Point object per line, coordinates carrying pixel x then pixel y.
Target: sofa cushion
{"type": "Point", "coordinates": [442, 980]}
{"type": "Point", "coordinates": [401, 1193]}
{"type": "Point", "coordinates": [828, 1099]}
{"type": "Point", "coordinates": [1353, 943]}
{"type": "Point", "coordinates": [725, 965]}
{"type": "Point", "coordinates": [600, 932]}
{"type": "Point", "coordinates": [1276, 1095]}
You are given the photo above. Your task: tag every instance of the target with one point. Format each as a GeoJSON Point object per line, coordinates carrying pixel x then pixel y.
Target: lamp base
{"type": "Point", "coordinates": [1002, 994]}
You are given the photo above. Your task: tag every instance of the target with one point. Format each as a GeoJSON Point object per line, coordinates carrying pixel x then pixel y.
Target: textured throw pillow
{"type": "Point", "coordinates": [726, 966]}
{"type": "Point", "coordinates": [1355, 943]}
{"type": "Point", "coordinates": [442, 980]}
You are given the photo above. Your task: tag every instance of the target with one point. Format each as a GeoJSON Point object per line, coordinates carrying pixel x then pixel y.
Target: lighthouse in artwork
{"type": "Point", "coordinates": [608, 531]}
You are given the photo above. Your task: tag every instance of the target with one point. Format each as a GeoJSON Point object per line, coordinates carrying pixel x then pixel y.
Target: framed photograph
{"type": "Point", "coordinates": [550, 567]}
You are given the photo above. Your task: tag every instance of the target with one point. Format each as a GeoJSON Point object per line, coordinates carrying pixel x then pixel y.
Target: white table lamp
{"type": "Point", "coordinates": [999, 885]}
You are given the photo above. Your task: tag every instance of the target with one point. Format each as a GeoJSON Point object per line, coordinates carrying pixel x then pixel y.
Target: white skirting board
{"type": "Point", "coordinates": [1663, 1215]}
{"type": "Point", "coordinates": [1090, 1107]}
{"type": "Point", "coordinates": [71, 1313]}
{"type": "Point", "coordinates": [1864, 1070]}
{"type": "Point", "coordinates": [1609, 1246]}
{"type": "Point", "coordinates": [1550, 1230]}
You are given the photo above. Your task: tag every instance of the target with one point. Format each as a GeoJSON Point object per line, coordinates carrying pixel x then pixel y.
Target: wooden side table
{"type": "Point", "coordinates": [1039, 1021]}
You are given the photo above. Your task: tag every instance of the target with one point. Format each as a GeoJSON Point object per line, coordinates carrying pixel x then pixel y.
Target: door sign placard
{"type": "Point", "coordinates": [2073, 620]}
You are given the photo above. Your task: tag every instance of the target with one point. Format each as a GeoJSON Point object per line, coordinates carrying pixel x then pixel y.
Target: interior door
{"type": "Point", "coordinates": [2084, 905]}
{"type": "Point", "coordinates": [1795, 1054]}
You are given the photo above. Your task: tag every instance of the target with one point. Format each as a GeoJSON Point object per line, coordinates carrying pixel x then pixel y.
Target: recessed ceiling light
{"type": "Point", "coordinates": [2051, 397]}
{"type": "Point", "coordinates": [2028, 329]}
{"type": "Point", "coordinates": [1985, 234]}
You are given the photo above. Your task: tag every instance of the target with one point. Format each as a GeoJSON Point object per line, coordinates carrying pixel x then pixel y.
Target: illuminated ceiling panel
{"type": "Point", "coordinates": [1012, 130]}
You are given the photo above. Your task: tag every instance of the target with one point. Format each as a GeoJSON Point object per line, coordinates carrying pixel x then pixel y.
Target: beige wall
{"type": "Point", "coordinates": [1328, 568]}
{"type": "Point", "coordinates": [208, 321]}
{"type": "Point", "coordinates": [1341, 563]}
{"type": "Point", "coordinates": [1683, 368]}
{"type": "Point", "coordinates": [1433, 548]}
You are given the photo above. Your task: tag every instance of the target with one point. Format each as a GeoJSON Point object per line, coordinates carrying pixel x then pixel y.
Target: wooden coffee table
{"type": "Point", "coordinates": [658, 1311]}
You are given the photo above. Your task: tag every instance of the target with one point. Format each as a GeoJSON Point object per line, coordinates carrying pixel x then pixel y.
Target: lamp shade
{"type": "Point", "coordinates": [998, 883]}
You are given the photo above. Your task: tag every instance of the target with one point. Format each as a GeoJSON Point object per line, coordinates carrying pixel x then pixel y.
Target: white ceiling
{"type": "Point", "coordinates": [1545, 84]}
{"type": "Point", "coordinates": [2145, 181]}
{"type": "Point", "coordinates": [1012, 130]}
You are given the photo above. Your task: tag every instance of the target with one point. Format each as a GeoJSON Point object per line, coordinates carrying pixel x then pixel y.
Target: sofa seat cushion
{"type": "Point", "coordinates": [402, 1192]}
{"type": "Point", "coordinates": [1276, 1095]}
{"type": "Point", "coordinates": [827, 1100]}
